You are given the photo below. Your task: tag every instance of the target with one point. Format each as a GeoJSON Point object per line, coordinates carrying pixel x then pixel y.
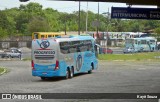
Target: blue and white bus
{"type": "Point", "coordinates": [141, 44]}
{"type": "Point", "coordinates": [63, 57]}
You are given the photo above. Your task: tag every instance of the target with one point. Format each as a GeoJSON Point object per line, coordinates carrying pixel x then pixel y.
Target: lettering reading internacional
{"type": "Point", "coordinates": [135, 13]}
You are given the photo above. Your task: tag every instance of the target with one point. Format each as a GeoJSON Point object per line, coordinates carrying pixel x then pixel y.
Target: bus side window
{"type": "Point", "coordinates": [35, 36]}
{"type": "Point", "coordinates": [42, 36]}
{"type": "Point", "coordinates": [49, 36]}
{"type": "Point", "coordinates": [77, 45]}
{"type": "Point", "coordinates": [64, 47]}
{"type": "Point", "coordinates": [138, 42]}
{"type": "Point", "coordinates": [72, 48]}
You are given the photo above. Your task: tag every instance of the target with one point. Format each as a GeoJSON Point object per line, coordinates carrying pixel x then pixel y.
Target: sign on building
{"type": "Point", "coordinates": [135, 13]}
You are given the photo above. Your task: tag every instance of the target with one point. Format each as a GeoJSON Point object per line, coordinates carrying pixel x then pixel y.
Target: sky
{"type": "Point", "coordinates": [67, 6]}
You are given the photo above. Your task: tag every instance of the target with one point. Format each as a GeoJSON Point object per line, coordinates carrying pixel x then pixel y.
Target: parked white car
{"type": "Point", "coordinates": [11, 53]}
{"type": "Point", "coordinates": [129, 50]}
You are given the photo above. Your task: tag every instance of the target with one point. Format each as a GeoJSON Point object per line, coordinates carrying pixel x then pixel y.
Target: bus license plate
{"type": "Point", "coordinates": [44, 73]}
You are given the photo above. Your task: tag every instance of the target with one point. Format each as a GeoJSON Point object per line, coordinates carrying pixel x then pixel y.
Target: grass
{"type": "Point", "coordinates": [2, 69]}
{"type": "Point", "coordinates": [155, 56]}
{"type": "Point", "coordinates": [27, 59]}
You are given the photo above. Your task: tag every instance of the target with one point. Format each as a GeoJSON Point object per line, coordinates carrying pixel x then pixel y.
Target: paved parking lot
{"type": "Point", "coordinates": [111, 77]}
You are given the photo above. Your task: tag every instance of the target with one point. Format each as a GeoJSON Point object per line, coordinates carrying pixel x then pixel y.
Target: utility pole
{"type": "Point", "coordinates": [97, 35]}
{"type": "Point", "coordinates": [65, 26]}
{"type": "Point", "coordinates": [79, 19]}
{"type": "Point", "coordinates": [87, 18]}
{"type": "Point", "coordinates": [98, 19]}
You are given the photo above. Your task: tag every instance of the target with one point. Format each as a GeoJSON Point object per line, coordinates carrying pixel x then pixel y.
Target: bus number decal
{"type": "Point", "coordinates": [44, 44]}
{"type": "Point", "coordinates": [79, 62]}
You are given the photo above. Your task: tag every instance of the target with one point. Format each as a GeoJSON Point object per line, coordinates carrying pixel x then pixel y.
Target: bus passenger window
{"type": "Point", "coordinates": [49, 36]}
{"type": "Point", "coordinates": [35, 36]}
{"type": "Point", "coordinates": [64, 47]}
{"type": "Point", "coordinates": [42, 36]}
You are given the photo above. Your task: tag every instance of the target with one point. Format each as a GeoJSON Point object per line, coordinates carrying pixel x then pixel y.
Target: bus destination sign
{"type": "Point", "coordinates": [135, 13]}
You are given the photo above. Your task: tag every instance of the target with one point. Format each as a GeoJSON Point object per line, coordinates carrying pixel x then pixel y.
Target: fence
{"type": "Point", "coordinates": [15, 41]}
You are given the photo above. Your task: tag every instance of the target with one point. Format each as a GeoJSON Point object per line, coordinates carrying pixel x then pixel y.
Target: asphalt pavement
{"type": "Point", "coordinates": [110, 77]}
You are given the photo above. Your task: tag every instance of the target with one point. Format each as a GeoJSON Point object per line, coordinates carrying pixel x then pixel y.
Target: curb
{"type": "Point", "coordinates": [4, 71]}
{"type": "Point", "coordinates": [10, 59]}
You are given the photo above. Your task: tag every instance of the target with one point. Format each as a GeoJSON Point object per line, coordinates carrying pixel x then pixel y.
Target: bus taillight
{"type": "Point", "coordinates": [32, 63]}
{"type": "Point", "coordinates": [57, 65]}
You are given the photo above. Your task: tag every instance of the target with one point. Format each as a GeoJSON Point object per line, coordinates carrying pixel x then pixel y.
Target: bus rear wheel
{"type": "Point", "coordinates": [71, 74]}
{"type": "Point", "coordinates": [43, 78]}
{"type": "Point", "coordinates": [90, 71]}
{"type": "Point", "coordinates": [67, 74]}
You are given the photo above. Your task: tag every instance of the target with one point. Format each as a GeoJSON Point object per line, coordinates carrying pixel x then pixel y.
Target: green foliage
{"type": "Point", "coordinates": [38, 24]}
{"type": "Point", "coordinates": [32, 17]}
{"type": "Point", "coordinates": [3, 70]}
{"type": "Point", "coordinates": [157, 33]}
{"type": "Point", "coordinates": [3, 33]}
{"type": "Point", "coordinates": [135, 57]}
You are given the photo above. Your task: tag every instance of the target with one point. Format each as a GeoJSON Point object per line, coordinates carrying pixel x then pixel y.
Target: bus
{"type": "Point", "coordinates": [141, 44]}
{"type": "Point", "coordinates": [39, 35]}
{"type": "Point", "coordinates": [63, 57]}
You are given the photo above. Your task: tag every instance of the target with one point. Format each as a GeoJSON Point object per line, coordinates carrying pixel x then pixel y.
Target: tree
{"type": "Point", "coordinates": [38, 24]}
{"type": "Point", "coordinates": [52, 17]}
{"type": "Point", "coordinates": [3, 33]}
{"type": "Point", "coordinates": [157, 33]}
{"type": "Point", "coordinates": [32, 8]}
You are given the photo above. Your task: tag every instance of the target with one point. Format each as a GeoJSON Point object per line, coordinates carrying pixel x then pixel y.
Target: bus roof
{"type": "Point", "coordinates": [49, 32]}
{"type": "Point", "coordinates": [73, 38]}
{"type": "Point", "coordinates": [142, 38]}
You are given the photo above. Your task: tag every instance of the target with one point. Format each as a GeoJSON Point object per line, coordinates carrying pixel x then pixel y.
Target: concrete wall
{"type": "Point", "coordinates": [17, 44]}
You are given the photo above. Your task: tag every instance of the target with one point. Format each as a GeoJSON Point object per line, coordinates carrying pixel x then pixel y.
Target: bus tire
{"type": "Point", "coordinates": [90, 71]}
{"type": "Point", "coordinates": [71, 74]}
{"type": "Point", "coordinates": [67, 74]}
{"type": "Point", "coordinates": [43, 78]}
{"type": "Point", "coordinates": [92, 67]}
